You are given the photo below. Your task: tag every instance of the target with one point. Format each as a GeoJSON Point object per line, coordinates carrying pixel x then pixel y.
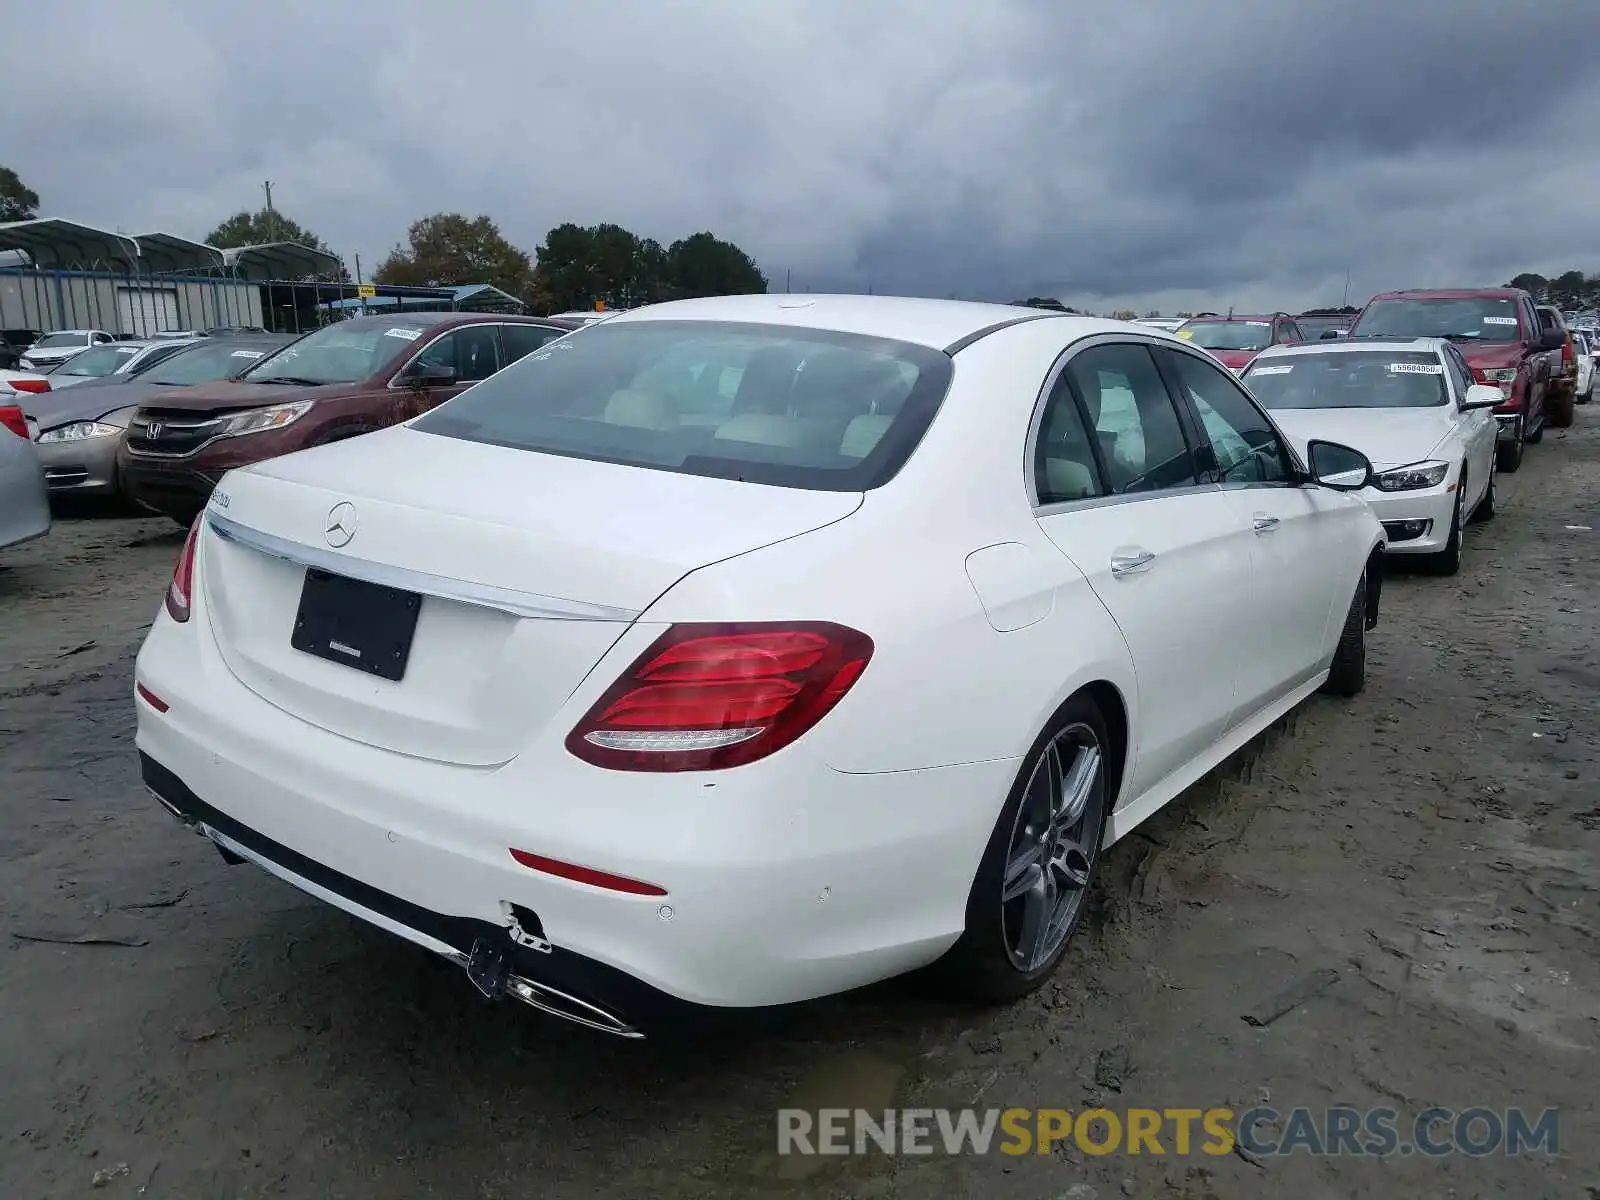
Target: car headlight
{"type": "Point", "coordinates": [1414, 477]}
{"type": "Point", "coordinates": [79, 431]}
{"type": "Point", "coordinates": [1501, 375]}
{"type": "Point", "coordinates": [260, 420]}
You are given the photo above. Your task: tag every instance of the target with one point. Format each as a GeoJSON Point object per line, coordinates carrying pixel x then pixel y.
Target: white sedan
{"type": "Point", "coordinates": [1411, 407]}
{"type": "Point", "coordinates": [738, 651]}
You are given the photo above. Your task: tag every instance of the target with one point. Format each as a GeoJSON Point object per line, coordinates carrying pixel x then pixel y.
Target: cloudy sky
{"type": "Point", "coordinates": [1149, 152]}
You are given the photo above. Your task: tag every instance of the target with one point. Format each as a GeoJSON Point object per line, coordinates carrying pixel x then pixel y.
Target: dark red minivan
{"type": "Point", "coordinates": [342, 380]}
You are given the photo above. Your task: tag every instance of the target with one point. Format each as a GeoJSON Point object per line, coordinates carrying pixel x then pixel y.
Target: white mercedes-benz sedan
{"type": "Point", "coordinates": [737, 651]}
{"type": "Point", "coordinates": [1411, 407]}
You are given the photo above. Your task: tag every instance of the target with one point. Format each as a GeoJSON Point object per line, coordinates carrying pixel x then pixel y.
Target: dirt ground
{"type": "Point", "coordinates": [1435, 842]}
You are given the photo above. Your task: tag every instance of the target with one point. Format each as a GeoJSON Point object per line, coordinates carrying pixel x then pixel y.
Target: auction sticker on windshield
{"type": "Point", "coordinates": [1416, 368]}
{"type": "Point", "coordinates": [1280, 370]}
{"type": "Point", "coordinates": [1186, 334]}
{"type": "Point", "coordinates": [246, 354]}
{"type": "Point", "coordinates": [1499, 320]}
{"type": "Point", "coordinates": [410, 335]}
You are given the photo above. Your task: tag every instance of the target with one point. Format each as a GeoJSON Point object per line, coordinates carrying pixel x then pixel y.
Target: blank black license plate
{"type": "Point", "coordinates": [358, 624]}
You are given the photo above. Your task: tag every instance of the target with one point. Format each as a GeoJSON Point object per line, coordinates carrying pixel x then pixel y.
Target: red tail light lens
{"type": "Point", "coordinates": [1568, 358]}
{"type": "Point", "coordinates": [705, 697]}
{"type": "Point", "coordinates": [178, 591]}
{"type": "Point", "coordinates": [11, 417]}
{"type": "Point", "coordinates": [34, 386]}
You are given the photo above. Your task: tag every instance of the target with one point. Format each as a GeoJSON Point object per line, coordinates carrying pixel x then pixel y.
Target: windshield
{"type": "Point", "coordinates": [55, 341]}
{"type": "Point", "coordinates": [760, 403]}
{"type": "Point", "coordinates": [1315, 327]}
{"type": "Point", "coordinates": [1469, 319]}
{"type": "Point", "coordinates": [98, 361]}
{"type": "Point", "coordinates": [206, 363]}
{"type": "Point", "coordinates": [1353, 379]}
{"type": "Point", "coordinates": [1228, 335]}
{"type": "Point", "coordinates": [342, 353]}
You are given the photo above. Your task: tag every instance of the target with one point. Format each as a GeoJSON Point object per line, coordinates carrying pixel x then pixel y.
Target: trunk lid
{"type": "Point", "coordinates": [530, 566]}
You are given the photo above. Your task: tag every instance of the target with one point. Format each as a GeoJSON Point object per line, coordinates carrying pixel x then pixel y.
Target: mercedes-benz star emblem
{"type": "Point", "coordinates": [341, 524]}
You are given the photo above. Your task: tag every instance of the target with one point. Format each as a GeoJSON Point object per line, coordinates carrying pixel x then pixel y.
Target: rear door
{"type": "Point", "coordinates": [1119, 496]}
{"type": "Point", "coordinates": [1292, 531]}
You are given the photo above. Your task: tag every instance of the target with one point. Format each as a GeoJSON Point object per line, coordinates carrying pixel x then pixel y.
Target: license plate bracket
{"type": "Point", "coordinates": [365, 626]}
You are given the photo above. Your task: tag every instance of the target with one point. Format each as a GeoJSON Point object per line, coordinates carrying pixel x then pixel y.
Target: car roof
{"type": "Point", "coordinates": [1351, 345]}
{"type": "Point", "coordinates": [1492, 293]}
{"type": "Point", "coordinates": [1238, 317]}
{"type": "Point", "coordinates": [948, 325]}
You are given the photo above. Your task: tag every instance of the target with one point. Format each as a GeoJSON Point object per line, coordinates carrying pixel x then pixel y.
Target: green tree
{"type": "Point", "coordinates": [18, 201]}
{"type": "Point", "coordinates": [449, 248]}
{"type": "Point", "coordinates": [263, 227]}
{"type": "Point", "coordinates": [1570, 289]}
{"type": "Point", "coordinates": [1531, 283]}
{"type": "Point", "coordinates": [607, 263]}
{"type": "Point", "coordinates": [1154, 312]}
{"type": "Point", "coordinates": [1124, 314]}
{"type": "Point", "coordinates": [704, 265]}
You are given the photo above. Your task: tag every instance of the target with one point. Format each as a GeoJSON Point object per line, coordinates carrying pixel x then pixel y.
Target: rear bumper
{"type": "Point", "coordinates": [785, 880]}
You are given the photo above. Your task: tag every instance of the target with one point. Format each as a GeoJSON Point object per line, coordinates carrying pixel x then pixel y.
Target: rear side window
{"type": "Point", "coordinates": [520, 340]}
{"type": "Point", "coordinates": [766, 404]}
{"type": "Point", "coordinates": [1136, 427]}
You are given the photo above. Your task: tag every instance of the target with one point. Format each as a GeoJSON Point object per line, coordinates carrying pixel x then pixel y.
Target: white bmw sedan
{"type": "Point", "coordinates": [738, 651]}
{"type": "Point", "coordinates": [1411, 407]}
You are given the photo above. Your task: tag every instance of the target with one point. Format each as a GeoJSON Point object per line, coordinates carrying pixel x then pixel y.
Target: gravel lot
{"type": "Point", "coordinates": [1436, 842]}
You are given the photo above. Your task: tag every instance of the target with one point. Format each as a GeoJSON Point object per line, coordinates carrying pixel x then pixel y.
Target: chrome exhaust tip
{"type": "Point", "coordinates": [559, 1004]}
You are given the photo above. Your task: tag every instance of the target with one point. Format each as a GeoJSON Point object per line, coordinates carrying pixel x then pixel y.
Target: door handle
{"type": "Point", "coordinates": [1132, 563]}
{"type": "Point", "coordinates": [1264, 523]}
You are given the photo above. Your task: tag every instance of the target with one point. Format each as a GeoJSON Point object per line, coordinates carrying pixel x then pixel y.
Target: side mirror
{"type": "Point", "coordinates": [430, 375]}
{"type": "Point", "coordinates": [1338, 467]}
{"type": "Point", "coordinates": [1329, 335]}
{"type": "Point", "coordinates": [1481, 395]}
{"type": "Point", "coordinates": [1551, 339]}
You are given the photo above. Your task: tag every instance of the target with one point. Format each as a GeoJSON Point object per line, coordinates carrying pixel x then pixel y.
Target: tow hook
{"type": "Point", "coordinates": [525, 927]}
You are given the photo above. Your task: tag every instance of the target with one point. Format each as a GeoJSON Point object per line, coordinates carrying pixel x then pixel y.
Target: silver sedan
{"type": "Point", "coordinates": [24, 502]}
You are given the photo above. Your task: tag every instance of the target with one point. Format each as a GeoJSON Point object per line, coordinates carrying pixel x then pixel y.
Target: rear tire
{"type": "Point", "coordinates": [1559, 414]}
{"type": "Point", "coordinates": [1508, 455]}
{"type": "Point", "coordinates": [1021, 914]}
{"type": "Point", "coordinates": [1347, 675]}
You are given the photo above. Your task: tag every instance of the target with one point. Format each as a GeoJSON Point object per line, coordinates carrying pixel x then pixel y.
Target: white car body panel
{"type": "Point", "coordinates": [840, 859]}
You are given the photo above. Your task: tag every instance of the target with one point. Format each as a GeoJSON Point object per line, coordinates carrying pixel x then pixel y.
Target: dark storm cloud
{"type": "Point", "coordinates": [1240, 151]}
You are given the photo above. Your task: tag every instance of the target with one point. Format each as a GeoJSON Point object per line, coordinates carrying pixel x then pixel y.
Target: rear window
{"type": "Point", "coordinates": [1228, 335]}
{"type": "Point", "coordinates": [1349, 379]}
{"type": "Point", "coordinates": [765, 404]}
{"type": "Point", "coordinates": [1464, 319]}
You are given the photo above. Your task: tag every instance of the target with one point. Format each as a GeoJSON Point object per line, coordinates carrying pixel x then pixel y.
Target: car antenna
{"type": "Point", "coordinates": [1230, 312]}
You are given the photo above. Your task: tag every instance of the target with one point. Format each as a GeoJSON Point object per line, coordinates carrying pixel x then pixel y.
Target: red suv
{"type": "Point", "coordinates": [1498, 331]}
{"type": "Point", "coordinates": [1234, 341]}
{"type": "Point", "coordinates": [345, 379]}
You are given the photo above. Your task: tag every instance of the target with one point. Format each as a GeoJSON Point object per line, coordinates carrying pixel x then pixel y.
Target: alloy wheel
{"type": "Point", "coordinates": [1054, 843]}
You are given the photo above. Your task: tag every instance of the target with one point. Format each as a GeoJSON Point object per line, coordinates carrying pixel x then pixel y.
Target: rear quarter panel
{"type": "Point", "coordinates": [945, 686]}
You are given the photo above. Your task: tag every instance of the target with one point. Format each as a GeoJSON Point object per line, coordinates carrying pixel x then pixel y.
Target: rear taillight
{"type": "Point", "coordinates": [704, 697]}
{"type": "Point", "coordinates": [182, 584]}
{"type": "Point", "coordinates": [1568, 356]}
{"type": "Point", "coordinates": [32, 386]}
{"type": "Point", "coordinates": [11, 417]}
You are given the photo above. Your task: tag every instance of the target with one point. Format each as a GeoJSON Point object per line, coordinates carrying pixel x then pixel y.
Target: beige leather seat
{"type": "Point", "coordinates": [640, 410]}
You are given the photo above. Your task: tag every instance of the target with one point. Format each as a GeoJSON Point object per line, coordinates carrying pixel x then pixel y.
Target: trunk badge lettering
{"type": "Point", "coordinates": [340, 526]}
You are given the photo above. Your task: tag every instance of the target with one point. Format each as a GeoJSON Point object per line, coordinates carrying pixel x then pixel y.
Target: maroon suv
{"type": "Point", "coordinates": [340, 381]}
{"type": "Point", "coordinates": [1499, 334]}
